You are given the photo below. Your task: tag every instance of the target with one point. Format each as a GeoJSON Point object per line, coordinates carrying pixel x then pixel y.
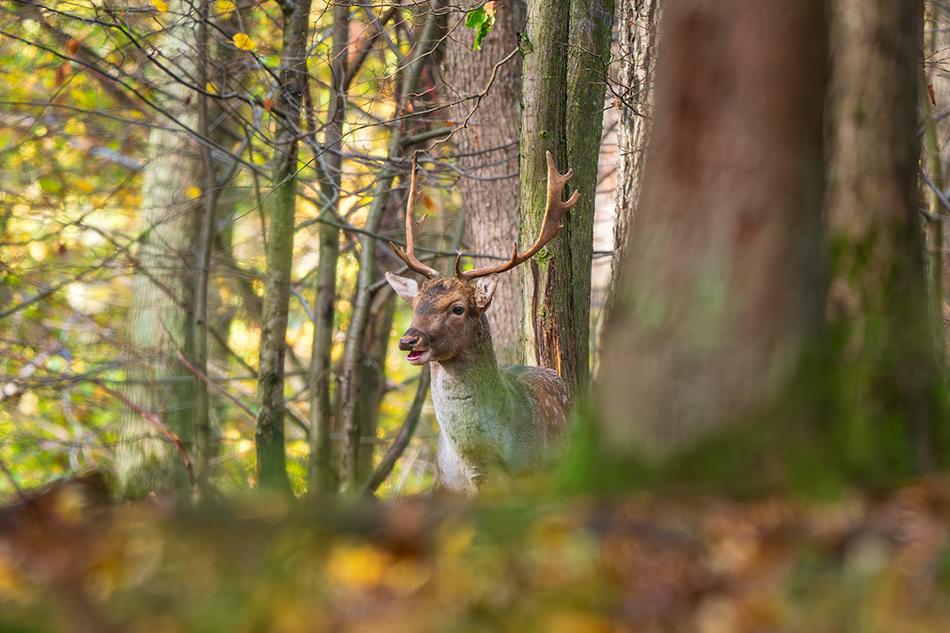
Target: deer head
{"type": "Point", "coordinates": [448, 313]}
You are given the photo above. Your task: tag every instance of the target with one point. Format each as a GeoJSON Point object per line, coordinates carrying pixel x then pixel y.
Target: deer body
{"type": "Point", "coordinates": [495, 422]}
{"type": "Point", "coordinates": [493, 432]}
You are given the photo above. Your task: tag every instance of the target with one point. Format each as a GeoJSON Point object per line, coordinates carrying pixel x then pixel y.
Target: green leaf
{"type": "Point", "coordinates": [475, 17]}
{"type": "Point", "coordinates": [49, 185]}
{"type": "Point", "coordinates": [481, 21]}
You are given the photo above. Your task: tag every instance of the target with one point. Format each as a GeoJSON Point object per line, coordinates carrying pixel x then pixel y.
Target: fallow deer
{"type": "Point", "coordinates": [496, 422]}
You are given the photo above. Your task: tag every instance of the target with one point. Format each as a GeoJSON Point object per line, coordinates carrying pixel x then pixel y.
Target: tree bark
{"type": "Point", "coordinates": [350, 383]}
{"type": "Point", "coordinates": [549, 333]}
{"type": "Point", "coordinates": [565, 49]}
{"type": "Point", "coordinates": [271, 456]}
{"type": "Point", "coordinates": [376, 341]}
{"type": "Point", "coordinates": [717, 296]}
{"type": "Point", "coordinates": [891, 384]}
{"type": "Point", "coordinates": [639, 33]}
{"type": "Point", "coordinates": [161, 296]}
{"type": "Point", "coordinates": [322, 475]}
{"type": "Point", "coordinates": [587, 68]}
{"type": "Point", "coordinates": [488, 154]}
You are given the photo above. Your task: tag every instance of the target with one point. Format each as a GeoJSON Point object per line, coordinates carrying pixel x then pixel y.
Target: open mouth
{"type": "Point", "coordinates": [418, 357]}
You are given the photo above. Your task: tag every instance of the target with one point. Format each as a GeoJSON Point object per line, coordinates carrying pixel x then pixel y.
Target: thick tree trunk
{"type": "Point", "coordinates": [890, 380]}
{"type": "Point", "coordinates": [717, 296]}
{"type": "Point", "coordinates": [488, 154]}
{"type": "Point", "coordinates": [161, 295]}
{"type": "Point", "coordinates": [271, 456]}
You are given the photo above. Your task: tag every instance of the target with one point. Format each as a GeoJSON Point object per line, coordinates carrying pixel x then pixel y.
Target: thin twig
{"type": "Point", "coordinates": [215, 385]}
{"type": "Point", "coordinates": [940, 196]}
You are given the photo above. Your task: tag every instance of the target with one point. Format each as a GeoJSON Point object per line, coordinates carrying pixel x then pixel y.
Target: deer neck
{"type": "Point", "coordinates": [471, 373]}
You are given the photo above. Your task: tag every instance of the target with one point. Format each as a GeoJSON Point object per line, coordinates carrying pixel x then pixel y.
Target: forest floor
{"type": "Point", "coordinates": [72, 561]}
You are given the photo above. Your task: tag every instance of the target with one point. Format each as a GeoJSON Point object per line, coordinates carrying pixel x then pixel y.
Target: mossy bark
{"type": "Point", "coordinates": [564, 49]}
{"type": "Point", "coordinates": [715, 374]}
{"type": "Point", "coordinates": [271, 456]}
{"type": "Point", "coordinates": [718, 297]}
{"type": "Point", "coordinates": [891, 402]}
{"type": "Point", "coordinates": [587, 71]}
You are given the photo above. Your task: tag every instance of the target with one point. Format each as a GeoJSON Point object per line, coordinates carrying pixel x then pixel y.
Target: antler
{"type": "Point", "coordinates": [556, 208]}
{"type": "Point", "coordinates": [409, 255]}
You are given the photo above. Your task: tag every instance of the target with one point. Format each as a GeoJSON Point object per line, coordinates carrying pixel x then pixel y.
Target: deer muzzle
{"type": "Point", "coordinates": [410, 342]}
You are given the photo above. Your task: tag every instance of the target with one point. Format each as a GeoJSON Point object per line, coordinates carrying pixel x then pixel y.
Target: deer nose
{"type": "Point", "coordinates": [408, 341]}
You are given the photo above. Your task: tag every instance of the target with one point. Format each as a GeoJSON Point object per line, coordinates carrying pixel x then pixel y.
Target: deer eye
{"type": "Point", "coordinates": [458, 310]}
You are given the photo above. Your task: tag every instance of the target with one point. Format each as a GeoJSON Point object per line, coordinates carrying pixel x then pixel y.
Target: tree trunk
{"type": "Point", "coordinates": [322, 475]}
{"type": "Point", "coordinates": [378, 327]}
{"type": "Point", "coordinates": [587, 68]}
{"type": "Point", "coordinates": [161, 297]}
{"type": "Point", "coordinates": [350, 383]}
{"type": "Point", "coordinates": [639, 20]}
{"type": "Point", "coordinates": [271, 456]}
{"type": "Point", "coordinates": [717, 296]}
{"type": "Point", "coordinates": [934, 99]}
{"type": "Point", "coordinates": [891, 384]}
{"type": "Point", "coordinates": [544, 85]}
{"type": "Point", "coordinates": [488, 150]}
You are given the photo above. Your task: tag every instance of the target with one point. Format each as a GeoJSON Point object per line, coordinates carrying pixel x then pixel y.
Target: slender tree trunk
{"type": "Point", "coordinates": [717, 296]}
{"type": "Point", "coordinates": [200, 316]}
{"type": "Point", "coordinates": [488, 151]}
{"type": "Point", "coordinates": [378, 328]}
{"type": "Point", "coordinates": [639, 20]}
{"type": "Point", "coordinates": [547, 326]}
{"type": "Point", "coordinates": [934, 97]}
{"type": "Point", "coordinates": [271, 456]}
{"type": "Point", "coordinates": [562, 113]}
{"type": "Point", "coordinates": [587, 68]}
{"type": "Point", "coordinates": [322, 474]}
{"type": "Point", "coordinates": [161, 296]}
{"type": "Point", "coordinates": [350, 383]}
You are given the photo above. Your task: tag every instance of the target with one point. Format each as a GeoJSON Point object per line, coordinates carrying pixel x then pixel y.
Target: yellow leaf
{"type": "Point", "coordinates": [74, 127]}
{"type": "Point", "coordinates": [160, 5]}
{"type": "Point", "coordinates": [224, 7]}
{"type": "Point", "coordinates": [244, 42]}
{"type": "Point", "coordinates": [193, 192]}
{"type": "Point", "coordinates": [357, 567]}
{"type": "Point", "coordinates": [209, 87]}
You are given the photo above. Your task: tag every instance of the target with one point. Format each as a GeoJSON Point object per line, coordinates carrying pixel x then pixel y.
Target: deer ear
{"type": "Point", "coordinates": [484, 291]}
{"type": "Point", "coordinates": [407, 289]}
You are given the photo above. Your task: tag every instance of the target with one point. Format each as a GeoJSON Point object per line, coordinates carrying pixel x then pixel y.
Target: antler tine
{"type": "Point", "coordinates": [409, 255]}
{"type": "Point", "coordinates": [555, 210]}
